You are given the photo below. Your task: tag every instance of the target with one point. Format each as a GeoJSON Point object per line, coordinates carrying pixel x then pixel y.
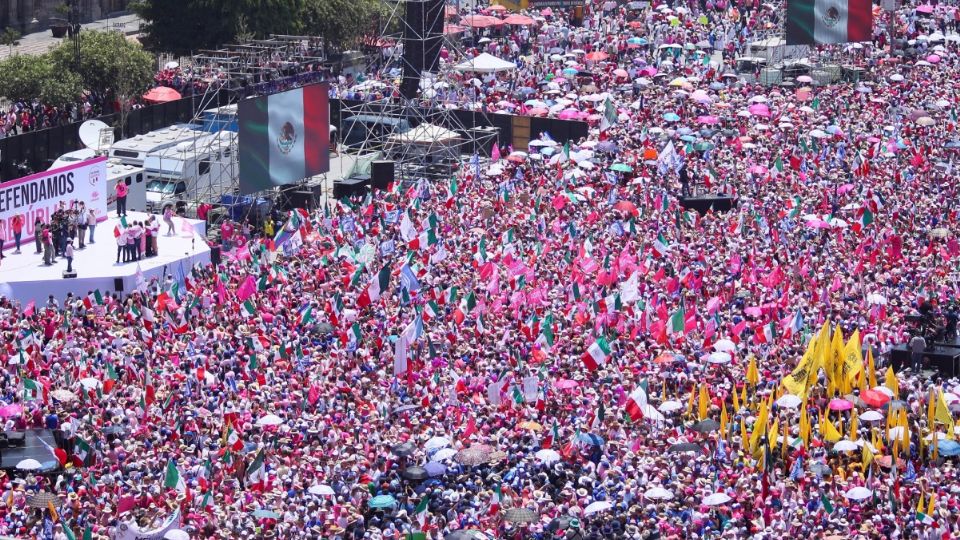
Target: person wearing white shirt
{"type": "Point", "coordinates": [122, 246]}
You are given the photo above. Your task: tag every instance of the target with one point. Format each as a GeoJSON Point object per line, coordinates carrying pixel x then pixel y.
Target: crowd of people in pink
{"type": "Point", "coordinates": [549, 345]}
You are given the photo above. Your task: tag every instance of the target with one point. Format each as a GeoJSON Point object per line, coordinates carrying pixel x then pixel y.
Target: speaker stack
{"type": "Point", "coordinates": [381, 174]}
{"type": "Point", "coordinates": [422, 38]}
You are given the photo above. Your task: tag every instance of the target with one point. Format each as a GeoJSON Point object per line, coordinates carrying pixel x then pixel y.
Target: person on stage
{"type": "Point", "coordinates": [16, 224]}
{"type": "Point", "coordinates": [91, 224]}
{"type": "Point", "coordinates": [122, 191]}
{"type": "Point", "coordinates": [68, 253]}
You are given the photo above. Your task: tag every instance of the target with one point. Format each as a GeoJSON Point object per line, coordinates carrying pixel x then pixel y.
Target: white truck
{"type": "Point", "coordinates": [136, 180]}
{"type": "Point", "coordinates": [180, 175]}
{"type": "Point", "coordinates": [134, 151]}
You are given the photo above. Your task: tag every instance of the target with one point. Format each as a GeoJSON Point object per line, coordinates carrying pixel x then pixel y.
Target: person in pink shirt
{"type": "Point", "coordinates": [122, 191]}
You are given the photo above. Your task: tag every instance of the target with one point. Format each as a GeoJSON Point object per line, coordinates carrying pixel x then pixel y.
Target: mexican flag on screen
{"type": "Point", "coordinates": [284, 137]}
{"type": "Point", "coordinates": [828, 21]}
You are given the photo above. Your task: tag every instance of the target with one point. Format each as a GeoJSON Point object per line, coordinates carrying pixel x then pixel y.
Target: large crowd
{"type": "Point", "coordinates": [549, 345]}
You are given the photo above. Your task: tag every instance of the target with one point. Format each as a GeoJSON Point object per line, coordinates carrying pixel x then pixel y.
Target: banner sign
{"type": "Point", "coordinates": [130, 530]}
{"type": "Point", "coordinates": [41, 194]}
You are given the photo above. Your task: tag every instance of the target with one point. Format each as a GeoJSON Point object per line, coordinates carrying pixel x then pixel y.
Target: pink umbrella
{"type": "Point", "coordinates": [838, 404]}
{"type": "Point", "coordinates": [546, 12]}
{"type": "Point", "coordinates": [925, 8]}
{"type": "Point", "coordinates": [818, 224]}
{"type": "Point", "coordinates": [566, 384]}
{"type": "Point", "coordinates": [519, 20]}
{"type": "Point", "coordinates": [597, 56]}
{"type": "Point", "coordinates": [568, 114]}
{"type": "Point", "coordinates": [11, 410]}
{"type": "Point", "coordinates": [594, 118]}
{"type": "Point", "coordinates": [648, 71]}
{"type": "Point", "coordinates": [621, 73]}
{"type": "Point", "coordinates": [846, 188]}
{"type": "Point", "coordinates": [758, 169]}
{"type": "Point", "coordinates": [759, 109]}
{"type": "Point", "coordinates": [537, 111]}
{"type": "Point", "coordinates": [709, 120]}
{"type": "Point", "coordinates": [933, 59]}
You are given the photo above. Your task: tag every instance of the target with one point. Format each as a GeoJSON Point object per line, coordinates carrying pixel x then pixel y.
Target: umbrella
{"type": "Point", "coordinates": [597, 56]}
{"type": "Point", "coordinates": [706, 426]}
{"type": "Point", "coordinates": [608, 147]}
{"type": "Point", "coordinates": [925, 121]}
{"type": "Point", "coordinates": [789, 401]}
{"type": "Point", "coordinates": [435, 469]}
{"type": "Point", "coordinates": [858, 493]}
{"type": "Point", "coordinates": [320, 489]}
{"type": "Point", "coordinates": [530, 426]}
{"type": "Point", "coordinates": [403, 450]}
{"type": "Point", "coordinates": [671, 117]}
{"type": "Point", "coordinates": [89, 383]}
{"type": "Point", "coordinates": [63, 395]}
{"type": "Point", "coordinates": [465, 534]}
{"type": "Point", "coordinates": [716, 499]}
{"type": "Point", "coordinates": [566, 384]}
{"type": "Point", "coordinates": [475, 455]}
{"type": "Point", "coordinates": [436, 443]}
{"type": "Point", "coordinates": [939, 232]}
{"type": "Point", "coordinates": [684, 447]}
{"type": "Point", "coordinates": [445, 453]}
{"type": "Point", "coordinates": [563, 523]}
{"type": "Point", "coordinates": [658, 493]}
{"type": "Point", "coordinates": [176, 534]}
{"type": "Point", "coordinates": [759, 109]}
{"type": "Point", "coordinates": [547, 456]}
{"type": "Point", "coordinates": [871, 416]}
{"type": "Point", "coordinates": [597, 507]}
{"type": "Point", "coordinates": [14, 409]}
{"type": "Point", "coordinates": [838, 404]}
{"type": "Point", "coordinates": [820, 468]}
{"type": "Point", "coordinates": [670, 406]}
{"type": "Point", "coordinates": [41, 499]}
{"type": "Point", "coordinates": [627, 207]}
{"type": "Point", "coordinates": [29, 465]}
{"type": "Point", "coordinates": [948, 448]}
{"type": "Point", "coordinates": [874, 398]}
{"type": "Point", "coordinates": [265, 514]}
{"type": "Point", "coordinates": [382, 501]}
{"type": "Point", "coordinates": [884, 390]}
{"type": "Point", "coordinates": [161, 94]}
{"type": "Point", "coordinates": [621, 167]}
{"type": "Point", "coordinates": [591, 439]}
{"type": "Point", "coordinates": [845, 446]}
{"type": "Point", "coordinates": [521, 515]}
{"type": "Point", "coordinates": [724, 345]}
{"type": "Point", "coordinates": [270, 420]}
{"type": "Point", "coordinates": [415, 473]}
{"type": "Point", "coordinates": [719, 357]}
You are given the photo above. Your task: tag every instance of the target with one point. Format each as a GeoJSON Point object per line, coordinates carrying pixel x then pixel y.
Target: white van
{"type": "Point", "coordinates": [204, 167]}
{"type": "Point", "coordinates": [134, 151]}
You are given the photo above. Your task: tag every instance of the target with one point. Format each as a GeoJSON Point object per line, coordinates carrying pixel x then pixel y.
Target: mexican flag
{"type": "Point", "coordinates": [596, 354]}
{"type": "Point", "coordinates": [81, 449]}
{"type": "Point", "coordinates": [811, 22]}
{"type": "Point", "coordinates": [285, 137]}
{"type": "Point", "coordinates": [247, 309]}
{"type": "Point", "coordinates": [609, 116]}
{"type": "Point", "coordinates": [306, 314]}
{"type": "Point", "coordinates": [256, 472]}
{"type": "Point", "coordinates": [379, 284]}
{"type": "Point", "coordinates": [92, 299]}
{"type": "Point", "coordinates": [635, 403]}
{"type": "Point", "coordinates": [865, 218]}
{"type": "Point", "coordinates": [173, 480]}
{"type": "Point", "coordinates": [426, 238]}
{"type": "Point", "coordinates": [677, 322]}
{"type": "Point", "coordinates": [32, 390]}
{"type": "Point", "coordinates": [495, 500]}
{"type": "Point", "coordinates": [421, 510]}
{"type": "Point", "coordinates": [660, 246]}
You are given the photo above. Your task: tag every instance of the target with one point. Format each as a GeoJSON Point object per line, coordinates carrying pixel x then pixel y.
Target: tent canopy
{"type": "Point", "coordinates": [426, 133]}
{"type": "Point", "coordinates": [485, 63]}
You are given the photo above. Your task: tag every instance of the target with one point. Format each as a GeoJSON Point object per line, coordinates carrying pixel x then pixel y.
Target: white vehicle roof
{"type": "Point", "coordinates": [116, 169]}
{"type": "Point", "coordinates": [155, 140]}
{"type": "Point", "coordinates": [200, 146]}
{"type": "Point", "coordinates": [73, 157]}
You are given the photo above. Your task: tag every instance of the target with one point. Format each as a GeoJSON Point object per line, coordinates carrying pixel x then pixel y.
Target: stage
{"type": "Point", "coordinates": [23, 277]}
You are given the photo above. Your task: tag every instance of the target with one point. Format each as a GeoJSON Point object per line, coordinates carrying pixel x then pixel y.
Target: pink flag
{"type": "Point", "coordinates": [495, 154]}
{"type": "Point", "coordinates": [186, 229]}
{"type": "Point", "coordinates": [246, 289]}
{"type": "Point", "coordinates": [28, 311]}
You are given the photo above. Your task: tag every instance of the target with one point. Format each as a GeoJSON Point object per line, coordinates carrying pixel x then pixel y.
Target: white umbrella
{"type": "Point", "coordinates": [176, 534]}
{"type": "Point", "coordinates": [658, 493]}
{"type": "Point", "coordinates": [884, 390]}
{"type": "Point", "coordinates": [270, 420]}
{"type": "Point", "coordinates": [845, 446]}
{"type": "Point", "coordinates": [320, 489]}
{"type": "Point", "coordinates": [547, 456]}
{"type": "Point", "coordinates": [719, 358]}
{"type": "Point", "coordinates": [716, 499]}
{"type": "Point", "coordinates": [896, 77]}
{"type": "Point", "coordinates": [649, 413]}
{"type": "Point", "coordinates": [437, 443]}
{"type": "Point", "coordinates": [171, 65]}
{"type": "Point", "coordinates": [871, 416]}
{"type": "Point", "coordinates": [29, 465]}
{"type": "Point", "coordinates": [875, 298]}
{"type": "Point", "coordinates": [670, 406]}
{"type": "Point", "coordinates": [858, 493]}
{"type": "Point", "coordinates": [724, 345]}
{"type": "Point", "coordinates": [895, 433]}
{"type": "Point", "coordinates": [789, 401]}
{"type": "Point", "coordinates": [445, 453]}
{"type": "Point", "coordinates": [596, 507]}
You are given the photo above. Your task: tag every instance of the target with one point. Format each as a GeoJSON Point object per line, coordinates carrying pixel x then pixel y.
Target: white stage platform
{"type": "Point", "coordinates": [24, 277]}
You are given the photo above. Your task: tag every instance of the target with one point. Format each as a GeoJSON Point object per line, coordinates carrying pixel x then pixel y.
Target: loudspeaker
{"type": "Point", "coordinates": [381, 174]}
{"type": "Point", "coordinates": [717, 203]}
{"type": "Point", "coordinates": [68, 275]}
{"type": "Point", "coordinates": [118, 284]}
{"type": "Point", "coordinates": [422, 38]}
{"type": "Point", "coordinates": [296, 199]}
{"type": "Point", "coordinates": [348, 187]}
{"type": "Point", "coordinates": [215, 255]}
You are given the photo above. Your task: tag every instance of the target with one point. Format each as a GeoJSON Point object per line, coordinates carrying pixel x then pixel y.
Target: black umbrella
{"type": "Point", "coordinates": [563, 523]}
{"type": "Point", "coordinates": [706, 426]}
{"type": "Point", "coordinates": [684, 447]}
{"type": "Point", "coordinates": [415, 473]}
{"type": "Point", "coordinates": [403, 450]}
{"type": "Point", "coordinates": [521, 515]}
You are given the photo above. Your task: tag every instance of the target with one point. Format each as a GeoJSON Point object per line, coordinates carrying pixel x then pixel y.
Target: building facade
{"type": "Point", "coordinates": [34, 15]}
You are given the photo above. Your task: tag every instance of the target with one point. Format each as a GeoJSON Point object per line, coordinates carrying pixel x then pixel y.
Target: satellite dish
{"type": "Point", "coordinates": [96, 135]}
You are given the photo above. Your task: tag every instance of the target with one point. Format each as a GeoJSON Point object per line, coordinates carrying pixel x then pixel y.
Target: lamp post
{"type": "Point", "coordinates": [74, 21]}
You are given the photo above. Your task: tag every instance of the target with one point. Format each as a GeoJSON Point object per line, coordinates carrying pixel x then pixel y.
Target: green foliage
{"type": "Point", "coordinates": [28, 77]}
{"type": "Point", "coordinates": [10, 37]}
{"type": "Point", "coordinates": [110, 65]}
{"type": "Point", "coordinates": [342, 23]}
{"type": "Point", "coordinates": [184, 27]}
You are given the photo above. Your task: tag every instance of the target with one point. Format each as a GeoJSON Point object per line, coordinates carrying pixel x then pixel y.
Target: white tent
{"type": "Point", "coordinates": [426, 134]}
{"type": "Point", "coordinates": [485, 63]}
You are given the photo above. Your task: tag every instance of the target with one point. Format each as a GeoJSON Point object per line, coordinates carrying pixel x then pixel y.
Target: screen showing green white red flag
{"type": "Point", "coordinates": [817, 22]}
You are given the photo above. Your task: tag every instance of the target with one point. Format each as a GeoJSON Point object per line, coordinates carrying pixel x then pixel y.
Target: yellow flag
{"type": "Point", "coordinates": [724, 420]}
{"type": "Point", "coordinates": [931, 408]}
{"type": "Point", "coordinates": [53, 511]}
{"type": "Point", "coordinates": [852, 361]}
{"type": "Point", "coordinates": [854, 421]}
{"type": "Point", "coordinates": [743, 397]}
{"type": "Point", "coordinates": [920, 507]}
{"type": "Point", "coordinates": [798, 380]}
{"type": "Point", "coordinates": [936, 444]}
{"type": "Point", "coordinates": [867, 457]}
{"type": "Point", "coordinates": [871, 369]}
{"type": "Point", "coordinates": [704, 406]}
{"type": "Point", "coordinates": [760, 426]}
{"type": "Point", "coordinates": [774, 434]}
{"type": "Point", "coordinates": [804, 426]}
{"type": "Point", "coordinates": [744, 439]}
{"type": "Point", "coordinates": [693, 393]}
{"type": "Point", "coordinates": [829, 431]}
{"type": "Point", "coordinates": [943, 414]}
{"type": "Point", "coordinates": [753, 375]}
{"type": "Point", "coordinates": [890, 381]}
{"type": "Point", "coordinates": [932, 504]}
{"type": "Point", "coordinates": [905, 437]}
{"type": "Point", "coordinates": [736, 400]}
{"type": "Point", "coordinates": [836, 359]}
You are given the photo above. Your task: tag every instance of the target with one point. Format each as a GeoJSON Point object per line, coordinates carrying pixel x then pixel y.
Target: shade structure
{"type": "Point", "coordinates": [485, 63]}
{"type": "Point", "coordinates": [480, 21]}
{"type": "Point", "coordinates": [597, 507]}
{"type": "Point", "coordinates": [658, 493]}
{"type": "Point", "coordinates": [521, 515]}
{"type": "Point", "coordinates": [161, 94]}
{"type": "Point", "coordinates": [716, 499]}
{"type": "Point", "coordinates": [519, 20]}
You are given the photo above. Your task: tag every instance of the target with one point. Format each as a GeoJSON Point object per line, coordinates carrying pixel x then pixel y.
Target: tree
{"type": "Point", "coordinates": [342, 23]}
{"type": "Point", "coordinates": [10, 37]}
{"type": "Point", "coordinates": [110, 65]}
{"type": "Point", "coordinates": [184, 27]}
{"type": "Point", "coordinates": [26, 77]}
